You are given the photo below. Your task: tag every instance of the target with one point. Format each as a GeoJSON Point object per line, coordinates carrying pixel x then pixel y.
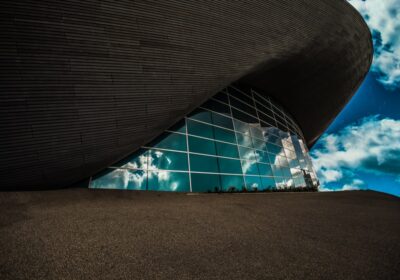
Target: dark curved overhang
{"type": "Point", "coordinates": [84, 83]}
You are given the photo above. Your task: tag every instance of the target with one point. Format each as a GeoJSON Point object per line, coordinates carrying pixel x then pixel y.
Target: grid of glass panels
{"type": "Point", "coordinates": [239, 140]}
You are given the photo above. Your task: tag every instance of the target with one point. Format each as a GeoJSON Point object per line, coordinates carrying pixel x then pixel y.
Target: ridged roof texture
{"type": "Point", "coordinates": [84, 83]}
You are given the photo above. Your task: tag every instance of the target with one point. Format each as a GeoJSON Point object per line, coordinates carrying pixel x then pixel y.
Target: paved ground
{"type": "Point", "coordinates": [100, 234]}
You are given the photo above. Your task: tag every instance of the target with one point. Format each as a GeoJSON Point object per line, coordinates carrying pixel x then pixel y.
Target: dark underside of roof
{"type": "Point", "coordinates": [84, 83]}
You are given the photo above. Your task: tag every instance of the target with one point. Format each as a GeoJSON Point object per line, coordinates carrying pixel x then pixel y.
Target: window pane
{"type": "Point", "coordinates": [136, 160]}
{"type": "Point", "coordinates": [265, 169]}
{"type": "Point", "coordinates": [217, 107]}
{"type": "Point", "coordinates": [232, 183]}
{"type": "Point", "coordinates": [244, 140]}
{"type": "Point", "coordinates": [179, 127]}
{"type": "Point", "coordinates": [267, 118]}
{"type": "Point", "coordinates": [250, 167]}
{"type": "Point", "coordinates": [201, 115]}
{"type": "Point", "coordinates": [276, 170]}
{"type": "Point", "coordinates": [229, 166]}
{"type": "Point", "coordinates": [253, 183]}
{"type": "Point", "coordinates": [242, 127]}
{"type": "Point", "coordinates": [243, 107]}
{"type": "Point", "coordinates": [203, 146]}
{"type": "Point", "coordinates": [262, 101]}
{"type": "Point", "coordinates": [273, 149]}
{"type": "Point", "coordinates": [268, 182]}
{"type": "Point", "coordinates": [262, 157]}
{"type": "Point", "coordinates": [259, 144]}
{"type": "Point", "coordinates": [222, 96]}
{"type": "Point", "coordinates": [246, 153]}
{"type": "Point", "coordinates": [273, 158]}
{"type": "Point", "coordinates": [203, 163]}
{"type": "Point", "coordinates": [227, 150]}
{"type": "Point", "coordinates": [283, 161]}
{"type": "Point", "coordinates": [168, 181]}
{"type": "Point", "coordinates": [120, 179]}
{"type": "Point", "coordinates": [222, 121]}
{"type": "Point", "coordinates": [205, 182]}
{"type": "Point", "coordinates": [286, 172]}
{"type": "Point", "coordinates": [224, 135]}
{"type": "Point", "coordinates": [171, 141]}
{"type": "Point", "coordinates": [200, 129]}
{"type": "Point", "coordinates": [240, 95]}
{"type": "Point", "coordinates": [256, 132]}
{"type": "Point", "coordinates": [167, 160]}
{"type": "Point", "coordinates": [243, 117]}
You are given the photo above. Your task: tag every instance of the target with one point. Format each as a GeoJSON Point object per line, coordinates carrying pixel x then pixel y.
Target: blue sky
{"type": "Point", "coordinates": [361, 148]}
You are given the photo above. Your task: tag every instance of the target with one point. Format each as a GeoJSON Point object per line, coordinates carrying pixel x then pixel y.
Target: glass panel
{"type": "Point", "coordinates": [224, 135]}
{"type": "Point", "coordinates": [300, 182]}
{"type": "Point", "coordinates": [244, 140]}
{"type": "Point", "coordinates": [202, 146]}
{"type": "Point", "coordinates": [201, 115]}
{"type": "Point", "coordinates": [167, 160]}
{"type": "Point", "coordinates": [179, 127]}
{"type": "Point", "coordinates": [168, 181]}
{"type": "Point", "coordinates": [253, 183]}
{"type": "Point", "coordinates": [242, 127]}
{"type": "Point", "coordinates": [295, 172]}
{"type": "Point", "coordinates": [262, 101]}
{"type": "Point", "coordinates": [266, 118]}
{"type": "Point", "coordinates": [222, 121]}
{"type": "Point", "coordinates": [232, 183]}
{"type": "Point", "coordinates": [243, 107]}
{"type": "Point", "coordinates": [276, 171]}
{"type": "Point", "coordinates": [274, 140]}
{"type": "Point", "coordinates": [205, 182]}
{"type": "Point", "coordinates": [250, 167]}
{"type": "Point", "coordinates": [238, 94]}
{"type": "Point", "coordinates": [120, 179]}
{"type": "Point", "coordinates": [217, 107]}
{"type": "Point", "coordinates": [246, 153]}
{"type": "Point", "coordinates": [259, 144]}
{"type": "Point", "coordinates": [262, 157]}
{"type": "Point", "coordinates": [273, 149]}
{"type": "Point", "coordinates": [268, 183]}
{"type": "Point", "coordinates": [221, 96]}
{"type": "Point", "coordinates": [227, 150]}
{"type": "Point", "coordinates": [280, 183]}
{"type": "Point", "coordinates": [256, 132]}
{"type": "Point", "coordinates": [172, 141]}
{"type": "Point", "coordinates": [265, 169]}
{"type": "Point", "coordinates": [203, 163]}
{"type": "Point", "coordinates": [283, 161]}
{"type": "Point", "coordinates": [286, 172]}
{"type": "Point", "coordinates": [243, 117]}
{"type": "Point", "coordinates": [229, 166]}
{"type": "Point", "coordinates": [200, 129]}
{"type": "Point", "coordinates": [136, 160]}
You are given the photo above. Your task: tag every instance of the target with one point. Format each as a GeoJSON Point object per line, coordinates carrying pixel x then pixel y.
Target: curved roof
{"type": "Point", "coordinates": [86, 83]}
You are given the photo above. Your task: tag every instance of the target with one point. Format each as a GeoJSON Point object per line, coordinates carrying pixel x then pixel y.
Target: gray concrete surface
{"type": "Point", "coordinates": [104, 234]}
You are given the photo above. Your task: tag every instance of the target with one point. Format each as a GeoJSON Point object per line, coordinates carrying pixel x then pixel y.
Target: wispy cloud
{"type": "Point", "coordinates": [370, 146]}
{"type": "Point", "coordinates": [383, 18]}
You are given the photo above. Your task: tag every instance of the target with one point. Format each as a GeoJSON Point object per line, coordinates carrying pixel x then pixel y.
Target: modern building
{"type": "Point", "coordinates": [173, 95]}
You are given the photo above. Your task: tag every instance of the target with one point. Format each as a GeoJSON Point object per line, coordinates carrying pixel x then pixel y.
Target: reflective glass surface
{"type": "Point", "coordinates": [238, 140]}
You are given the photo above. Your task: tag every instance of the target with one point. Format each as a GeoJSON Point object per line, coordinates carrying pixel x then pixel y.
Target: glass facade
{"type": "Point", "coordinates": [239, 140]}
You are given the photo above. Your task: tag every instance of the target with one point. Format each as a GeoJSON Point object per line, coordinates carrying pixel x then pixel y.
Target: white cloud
{"type": "Point", "coordinates": [383, 18]}
{"type": "Point", "coordinates": [355, 185]}
{"type": "Point", "coordinates": [372, 146]}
